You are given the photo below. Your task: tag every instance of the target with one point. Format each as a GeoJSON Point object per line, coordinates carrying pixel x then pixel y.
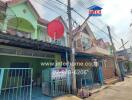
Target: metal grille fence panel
{"type": "Point", "coordinates": [15, 83]}
{"type": "Point", "coordinates": [56, 88]}
{"type": "Point", "coordinates": [59, 87]}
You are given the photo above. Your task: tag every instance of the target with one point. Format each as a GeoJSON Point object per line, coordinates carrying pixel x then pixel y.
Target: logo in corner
{"type": "Point", "coordinates": [95, 10]}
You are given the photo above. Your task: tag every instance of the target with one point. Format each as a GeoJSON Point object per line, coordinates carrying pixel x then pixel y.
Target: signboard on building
{"type": "Point", "coordinates": [56, 29]}
{"type": "Point", "coordinates": [95, 10]}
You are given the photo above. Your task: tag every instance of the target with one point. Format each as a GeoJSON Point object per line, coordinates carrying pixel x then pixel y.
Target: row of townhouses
{"type": "Point", "coordinates": [125, 54]}
{"type": "Point", "coordinates": [29, 68]}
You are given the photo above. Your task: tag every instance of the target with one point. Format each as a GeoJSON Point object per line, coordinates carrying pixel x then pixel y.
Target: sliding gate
{"type": "Point", "coordinates": [55, 82]}
{"type": "Point", "coordinates": [15, 83]}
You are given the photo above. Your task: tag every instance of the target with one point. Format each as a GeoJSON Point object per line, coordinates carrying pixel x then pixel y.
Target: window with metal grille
{"type": "Point", "coordinates": [86, 43]}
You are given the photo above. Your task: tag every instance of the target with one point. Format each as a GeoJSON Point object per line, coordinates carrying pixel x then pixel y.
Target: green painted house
{"type": "Point", "coordinates": [21, 16]}
{"type": "Point", "coordinates": [24, 41]}
{"type": "Point", "coordinates": [22, 19]}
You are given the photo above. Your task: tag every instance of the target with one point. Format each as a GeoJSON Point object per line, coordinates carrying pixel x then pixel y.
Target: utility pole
{"type": "Point", "coordinates": [131, 48]}
{"type": "Point", "coordinates": [82, 25]}
{"type": "Point", "coordinates": [123, 46]}
{"type": "Point", "coordinates": [114, 53]}
{"type": "Point", "coordinates": [74, 89]}
{"type": "Point", "coordinates": [130, 52]}
{"type": "Point", "coordinates": [72, 35]}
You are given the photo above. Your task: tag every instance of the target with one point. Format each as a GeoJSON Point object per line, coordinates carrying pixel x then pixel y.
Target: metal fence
{"type": "Point", "coordinates": [57, 84]}
{"type": "Point", "coordinates": [84, 79]}
{"type": "Point", "coordinates": [56, 88]}
{"type": "Point", "coordinates": [87, 79]}
{"type": "Point", "coordinates": [15, 83]}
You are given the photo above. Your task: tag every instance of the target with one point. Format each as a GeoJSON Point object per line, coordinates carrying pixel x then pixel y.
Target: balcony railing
{"type": "Point", "coordinates": [23, 52]}
{"type": "Point", "coordinates": [98, 50]}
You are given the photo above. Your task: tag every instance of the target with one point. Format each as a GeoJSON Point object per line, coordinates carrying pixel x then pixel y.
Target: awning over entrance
{"type": "Point", "coordinates": [98, 51]}
{"type": "Point", "coordinates": [10, 40]}
{"type": "Point", "coordinates": [122, 58]}
{"type": "Point", "coordinates": [81, 55]}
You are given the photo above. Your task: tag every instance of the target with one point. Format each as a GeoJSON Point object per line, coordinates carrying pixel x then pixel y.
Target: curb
{"type": "Point", "coordinates": [100, 89]}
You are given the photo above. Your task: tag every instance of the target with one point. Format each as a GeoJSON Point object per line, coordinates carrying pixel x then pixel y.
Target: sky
{"type": "Point", "coordinates": [115, 13]}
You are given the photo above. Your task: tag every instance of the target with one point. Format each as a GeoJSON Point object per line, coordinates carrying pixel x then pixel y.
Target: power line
{"type": "Point", "coordinates": [61, 3]}
{"type": "Point", "coordinates": [81, 16]}
{"type": "Point", "coordinates": [96, 26]}
{"type": "Point", "coordinates": [62, 10]}
{"type": "Point", "coordinates": [83, 3]}
{"type": "Point", "coordinates": [55, 6]}
{"type": "Point", "coordinates": [42, 4]}
{"type": "Point", "coordinates": [55, 10]}
{"type": "Point", "coordinates": [88, 21]}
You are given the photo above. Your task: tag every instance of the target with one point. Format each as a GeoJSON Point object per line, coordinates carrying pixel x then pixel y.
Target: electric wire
{"type": "Point", "coordinates": [55, 7]}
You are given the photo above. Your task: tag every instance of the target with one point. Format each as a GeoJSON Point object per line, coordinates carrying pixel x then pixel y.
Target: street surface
{"type": "Point", "coordinates": [118, 91]}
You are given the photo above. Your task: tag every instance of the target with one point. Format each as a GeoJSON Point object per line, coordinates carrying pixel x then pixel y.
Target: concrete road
{"type": "Point", "coordinates": [67, 97]}
{"type": "Point", "coordinates": [118, 91]}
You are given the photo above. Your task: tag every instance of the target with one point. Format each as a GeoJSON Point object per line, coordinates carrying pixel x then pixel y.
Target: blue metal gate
{"type": "Point", "coordinates": [55, 86]}
{"type": "Point", "coordinates": [84, 79]}
{"type": "Point", "coordinates": [89, 79]}
{"type": "Point", "coordinates": [15, 83]}
{"type": "Point", "coordinates": [1, 78]}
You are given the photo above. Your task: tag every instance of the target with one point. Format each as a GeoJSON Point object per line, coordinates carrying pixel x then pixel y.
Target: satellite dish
{"type": "Point", "coordinates": [56, 29]}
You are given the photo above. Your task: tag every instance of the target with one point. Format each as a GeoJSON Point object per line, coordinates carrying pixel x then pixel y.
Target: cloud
{"type": "Point", "coordinates": [117, 14]}
{"type": "Point", "coordinates": [38, 6]}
